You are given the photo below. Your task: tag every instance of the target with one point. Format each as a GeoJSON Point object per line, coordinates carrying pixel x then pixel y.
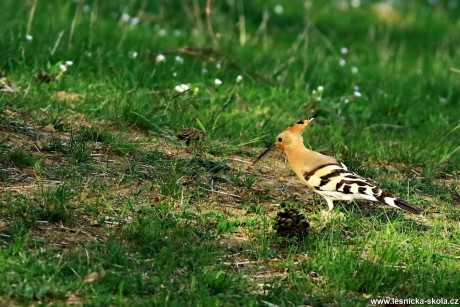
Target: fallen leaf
{"type": "Point", "coordinates": [10, 113]}
{"type": "Point", "coordinates": [49, 128]}
{"type": "Point", "coordinates": [73, 300]}
{"type": "Point", "coordinates": [66, 96]}
{"type": "Point", "coordinates": [273, 260]}
{"type": "Point", "coordinates": [94, 276]}
{"type": "Point", "coordinates": [8, 87]}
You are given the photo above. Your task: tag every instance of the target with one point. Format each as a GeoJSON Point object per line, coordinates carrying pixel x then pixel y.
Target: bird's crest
{"type": "Point", "coordinates": [300, 126]}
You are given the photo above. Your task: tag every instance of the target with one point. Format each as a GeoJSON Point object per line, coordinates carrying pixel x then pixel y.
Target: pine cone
{"type": "Point", "coordinates": [290, 223]}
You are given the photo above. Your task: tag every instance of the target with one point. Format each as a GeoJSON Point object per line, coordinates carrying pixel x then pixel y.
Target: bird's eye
{"type": "Point", "coordinates": [280, 139]}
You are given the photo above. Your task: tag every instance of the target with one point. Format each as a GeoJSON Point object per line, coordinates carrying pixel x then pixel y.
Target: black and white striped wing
{"type": "Point", "coordinates": [335, 182]}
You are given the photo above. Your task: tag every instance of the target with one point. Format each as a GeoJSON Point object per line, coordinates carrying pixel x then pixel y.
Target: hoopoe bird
{"type": "Point", "coordinates": [328, 177]}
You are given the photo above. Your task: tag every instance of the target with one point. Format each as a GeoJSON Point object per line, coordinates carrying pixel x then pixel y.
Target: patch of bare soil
{"type": "Point", "coordinates": [29, 182]}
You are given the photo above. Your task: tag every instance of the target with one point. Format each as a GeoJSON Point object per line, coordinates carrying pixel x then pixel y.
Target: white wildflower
{"type": "Point", "coordinates": [162, 32]}
{"type": "Point", "coordinates": [177, 33]}
{"type": "Point", "coordinates": [218, 66]}
{"type": "Point", "coordinates": [182, 88]}
{"type": "Point", "coordinates": [320, 88]}
{"type": "Point", "coordinates": [174, 74]}
{"type": "Point", "coordinates": [133, 54]}
{"type": "Point", "coordinates": [342, 62]}
{"type": "Point", "coordinates": [68, 63]}
{"type": "Point", "coordinates": [185, 87]}
{"type": "Point", "coordinates": [179, 59]}
{"type": "Point", "coordinates": [29, 37]}
{"type": "Point", "coordinates": [354, 70]}
{"type": "Point", "coordinates": [62, 67]}
{"type": "Point", "coordinates": [125, 17]}
{"type": "Point", "coordinates": [134, 21]}
{"type": "Point", "coordinates": [343, 50]}
{"type": "Point", "coordinates": [217, 82]}
{"type": "Point", "coordinates": [355, 88]}
{"type": "Point", "coordinates": [239, 78]}
{"type": "Point", "coordinates": [86, 8]}
{"type": "Point", "coordinates": [278, 9]}
{"type": "Point", "coordinates": [357, 94]}
{"type": "Point", "coordinates": [160, 58]}
{"type": "Point", "coordinates": [355, 3]}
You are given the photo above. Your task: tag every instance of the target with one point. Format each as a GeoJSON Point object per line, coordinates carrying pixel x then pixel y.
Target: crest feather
{"type": "Point", "coordinates": [300, 125]}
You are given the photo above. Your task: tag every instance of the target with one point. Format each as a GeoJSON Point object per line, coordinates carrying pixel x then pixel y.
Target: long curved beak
{"type": "Point", "coordinates": [263, 154]}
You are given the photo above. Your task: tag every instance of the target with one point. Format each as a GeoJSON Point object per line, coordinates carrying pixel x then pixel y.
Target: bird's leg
{"type": "Point", "coordinates": [328, 215]}
{"type": "Point", "coordinates": [330, 204]}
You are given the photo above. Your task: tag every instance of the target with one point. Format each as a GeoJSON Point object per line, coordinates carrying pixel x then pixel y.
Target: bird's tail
{"type": "Point", "coordinates": [393, 201]}
{"type": "Point", "coordinates": [407, 206]}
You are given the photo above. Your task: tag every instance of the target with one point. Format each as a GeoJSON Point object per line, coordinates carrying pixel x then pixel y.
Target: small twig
{"type": "Point", "coordinates": [238, 263]}
{"type": "Point", "coordinates": [31, 16]}
{"type": "Point", "coordinates": [263, 24]}
{"type": "Point", "coordinates": [242, 24]}
{"type": "Point", "coordinates": [74, 22]}
{"type": "Point", "coordinates": [197, 12]}
{"type": "Point", "coordinates": [58, 41]}
{"type": "Point", "coordinates": [223, 193]}
{"type": "Point", "coordinates": [209, 23]}
{"type": "Point", "coordinates": [75, 272]}
{"type": "Point", "coordinates": [52, 183]}
{"type": "Point", "coordinates": [97, 155]}
{"type": "Point", "coordinates": [239, 160]}
{"type": "Point", "coordinates": [385, 126]}
{"type": "Point", "coordinates": [215, 117]}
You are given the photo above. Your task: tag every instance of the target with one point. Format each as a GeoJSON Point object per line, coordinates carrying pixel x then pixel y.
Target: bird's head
{"type": "Point", "coordinates": [289, 138]}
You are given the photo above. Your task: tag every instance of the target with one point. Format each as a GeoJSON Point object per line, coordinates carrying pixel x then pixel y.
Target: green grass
{"type": "Point", "coordinates": [101, 204]}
